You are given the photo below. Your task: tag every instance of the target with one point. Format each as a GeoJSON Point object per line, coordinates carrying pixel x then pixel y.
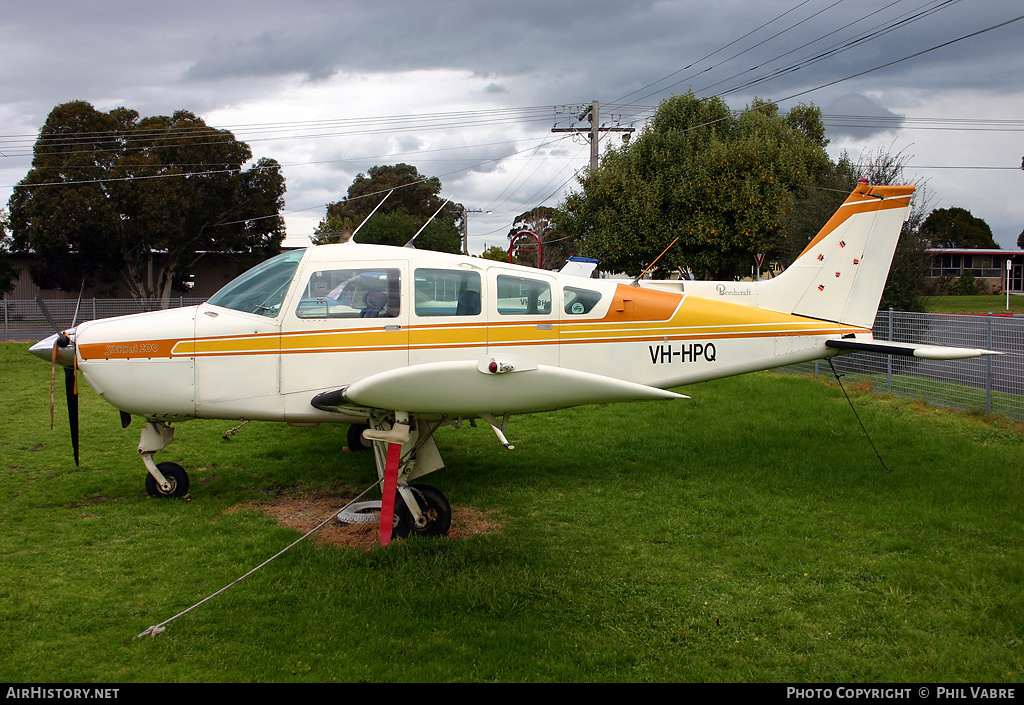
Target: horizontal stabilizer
{"type": "Point", "coordinates": [498, 384]}
{"type": "Point", "coordinates": [925, 352]}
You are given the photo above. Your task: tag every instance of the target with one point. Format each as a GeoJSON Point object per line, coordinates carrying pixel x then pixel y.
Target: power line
{"type": "Point", "coordinates": [63, 143]}
{"type": "Point", "coordinates": [366, 159]}
{"type": "Point", "coordinates": [954, 166]}
{"type": "Point", "coordinates": [876, 68]}
{"type": "Point", "coordinates": [411, 118]}
{"type": "Point", "coordinates": [708, 56]}
{"type": "Point", "coordinates": [893, 122]}
{"type": "Point", "coordinates": [377, 193]}
{"type": "Point", "coordinates": [448, 120]}
{"type": "Point", "coordinates": [905, 58]}
{"type": "Point", "coordinates": [849, 121]}
{"type": "Point", "coordinates": [774, 36]}
{"type": "Point", "coordinates": [900, 22]}
{"type": "Point", "coordinates": [874, 33]}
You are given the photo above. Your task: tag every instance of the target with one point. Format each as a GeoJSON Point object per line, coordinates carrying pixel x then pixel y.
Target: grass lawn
{"type": "Point", "coordinates": [748, 534]}
{"type": "Point", "coordinates": [974, 304]}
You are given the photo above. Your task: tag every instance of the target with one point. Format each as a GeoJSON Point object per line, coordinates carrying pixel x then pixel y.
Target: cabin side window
{"type": "Point", "coordinates": [580, 301]}
{"type": "Point", "coordinates": [522, 296]}
{"type": "Point", "coordinates": [447, 292]}
{"type": "Point", "coordinates": [351, 293]}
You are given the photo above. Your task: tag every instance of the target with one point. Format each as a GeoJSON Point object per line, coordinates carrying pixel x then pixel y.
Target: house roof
{"type": "Point", "coordinates": [967, 251]}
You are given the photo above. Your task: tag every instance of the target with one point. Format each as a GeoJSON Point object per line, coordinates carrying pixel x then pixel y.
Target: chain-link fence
{"type": "Point", "coordinates": [24, 320]}
{"type": "Point", "coordinates": [993, 383]}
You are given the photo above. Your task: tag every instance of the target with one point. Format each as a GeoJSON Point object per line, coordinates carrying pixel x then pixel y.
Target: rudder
{"type": "Point", "coordinates": [840, 275]}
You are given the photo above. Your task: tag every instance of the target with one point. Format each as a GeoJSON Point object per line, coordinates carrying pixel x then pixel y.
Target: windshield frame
{"type": "Point", "coordinates": [263, 289]}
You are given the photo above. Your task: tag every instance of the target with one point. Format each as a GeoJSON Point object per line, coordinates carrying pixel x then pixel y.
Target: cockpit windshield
{"type": "Point", "coordinates": [262, 289]}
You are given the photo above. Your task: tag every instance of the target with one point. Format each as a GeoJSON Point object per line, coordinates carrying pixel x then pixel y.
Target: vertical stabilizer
{"type": "Point", "coordinates": [842, 272]}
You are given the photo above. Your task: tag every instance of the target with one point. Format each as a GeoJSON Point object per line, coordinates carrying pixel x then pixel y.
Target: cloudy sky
{"type": "Point", "coordinates": [469, 90]}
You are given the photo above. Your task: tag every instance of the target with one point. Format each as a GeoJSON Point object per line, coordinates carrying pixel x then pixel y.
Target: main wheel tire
{"type": "Point", "coordinates": [435, 508]}
{"type": "Point", "coordinates": [175, 475]}
{"type": "Point", "coordinates": [356, 442]}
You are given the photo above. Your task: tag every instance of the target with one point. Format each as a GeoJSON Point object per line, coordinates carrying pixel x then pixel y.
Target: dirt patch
{"type": "Point", "coordinates": [307, 511]}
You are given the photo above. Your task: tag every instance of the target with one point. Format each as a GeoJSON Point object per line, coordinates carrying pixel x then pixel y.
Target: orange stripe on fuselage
{"type": "Point", "coordinates": [635, 315]}
{"type": "Point", "coordinates": [127, 349]}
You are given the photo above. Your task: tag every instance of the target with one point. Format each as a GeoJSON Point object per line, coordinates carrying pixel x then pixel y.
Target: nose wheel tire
{"type": "Point", "coordinates": [435, 508]}
{"type": "Point", "coordinates": [175, 475]}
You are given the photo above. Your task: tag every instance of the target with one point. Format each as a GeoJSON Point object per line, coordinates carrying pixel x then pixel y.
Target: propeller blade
{"type": "Point", "coordinates": [62, 339]}
{"type": "Point", "coordinates": [71, 392]}
{"type": "Point", "coordinates": [74, 321]}
{"type": "Point", "coordinates": [60, 342]}
{"type": "Point", "coordinates": [53, 372]}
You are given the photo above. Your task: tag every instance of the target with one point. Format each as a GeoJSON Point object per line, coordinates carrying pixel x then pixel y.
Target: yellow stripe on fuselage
{"type": "Point", "coordinates": [226, 345]}
{"type": "Point", "coordinates": [688, 317]}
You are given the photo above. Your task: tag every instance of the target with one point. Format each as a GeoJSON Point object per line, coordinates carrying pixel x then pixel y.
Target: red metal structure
{"type": "Point", "coordinates": [516, 246]}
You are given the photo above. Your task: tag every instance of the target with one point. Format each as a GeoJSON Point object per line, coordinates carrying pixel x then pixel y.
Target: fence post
{"type": "Point", "coordinates": [888, 358]}
{"type": "Point", "coordinates": [988, 368]}
{"type": "Point", "coordinates": [7, 330]}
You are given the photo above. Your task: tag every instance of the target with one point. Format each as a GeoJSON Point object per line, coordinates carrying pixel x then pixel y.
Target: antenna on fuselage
{"type": "Point", "coordinates": [409, 244]}
{"type": "Point", "coordinates": [636, 282]}
{"type": "Point", "coordinates": [352, 237]}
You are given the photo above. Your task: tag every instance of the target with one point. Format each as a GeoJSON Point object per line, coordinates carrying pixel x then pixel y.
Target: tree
{"type": "Point", "coordinates": [720, 182]}
{"type": "Point", "coordinates": [814, 205]}
{"type": "Point", "coordinates": [1020, 240]}
{"type": "Point", "coordinates": [413, 199]}
{"type": "Point", "coordinates": [966, 285]}
{"type": "Point", "coordinates": [957, 227]}
{"type": "Point", "coordinates": [332, 228]}
{"type": "Point", "coordinates": [558, 246]}
{"type": "Point", "coordinates": [495, 254]}
{"type": "Point", "coordinates": [905, 286]}
{"type": "Point", "coordinates": [109, 190]}
{"type": "Point", "coordinates": [8, 273]}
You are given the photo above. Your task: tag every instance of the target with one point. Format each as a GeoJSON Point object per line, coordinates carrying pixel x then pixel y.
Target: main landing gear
{"type": "Point", "coordinates": [408, 443]}
{"type": "Point", "coordinates": [404, 449]}
{"type": "Point", "coordinates": [434, 510]}
{"type": "Point", "coordinates": [356, 442]}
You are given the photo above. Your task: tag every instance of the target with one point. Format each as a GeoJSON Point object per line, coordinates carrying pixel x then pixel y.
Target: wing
{"type": "Point", "coordinates": [925, 352]}
{"type": "Point", "coordinates": [501, 383]}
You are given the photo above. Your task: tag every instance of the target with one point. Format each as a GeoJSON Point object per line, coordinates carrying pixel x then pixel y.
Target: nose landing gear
{"type": "Point", "coordinates": [174, 476]}
{"type": "Point", "coordinates": [165, 479]}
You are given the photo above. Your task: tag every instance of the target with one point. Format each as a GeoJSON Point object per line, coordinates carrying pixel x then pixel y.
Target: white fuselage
{"type": "Point", "coordinates": [211, 361]}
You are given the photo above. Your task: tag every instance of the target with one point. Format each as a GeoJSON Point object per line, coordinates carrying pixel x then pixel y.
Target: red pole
{"type": "Point", "coordinates": [539, 248]}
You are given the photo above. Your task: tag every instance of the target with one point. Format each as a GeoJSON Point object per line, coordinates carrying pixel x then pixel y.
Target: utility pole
{"type": "Point", "coordinates": [465, 227]}
{"type": "Point", "coordinates": [591, 112]}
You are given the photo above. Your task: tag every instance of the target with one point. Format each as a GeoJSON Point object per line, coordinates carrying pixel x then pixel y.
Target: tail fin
{"type": "Point", "coordinates": [842, 272]}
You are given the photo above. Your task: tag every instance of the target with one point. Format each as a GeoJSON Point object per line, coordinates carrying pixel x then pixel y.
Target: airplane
{"type": "Point", "coordinates": [398, 342]}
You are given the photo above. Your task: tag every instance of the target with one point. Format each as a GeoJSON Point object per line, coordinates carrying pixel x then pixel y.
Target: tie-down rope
{"type": "Point", "coordinates": [162, 627]}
